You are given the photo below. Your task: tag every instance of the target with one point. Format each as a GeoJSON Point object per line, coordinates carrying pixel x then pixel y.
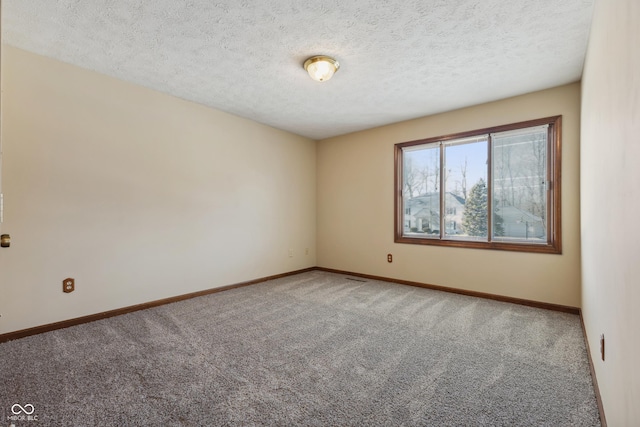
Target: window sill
{"type": "Point", "coordinates": [544, 248]}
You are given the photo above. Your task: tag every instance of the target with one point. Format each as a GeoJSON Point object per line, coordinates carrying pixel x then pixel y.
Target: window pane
{"type": "Point", "coordinates": [446, 196]}
{"type": "Point", "coordinates": [421, 191]}
{"type": "Point", "coordinates": [465, 200]}
{"type": "Point", "coordinates": [519, 185]}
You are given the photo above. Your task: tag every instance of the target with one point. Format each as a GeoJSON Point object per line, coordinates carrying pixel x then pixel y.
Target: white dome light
{"type": "Point", "coordinates": [321, 68]}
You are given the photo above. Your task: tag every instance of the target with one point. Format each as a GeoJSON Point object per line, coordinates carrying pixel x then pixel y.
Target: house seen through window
{"type": "Point", "coordinates": [496, 188]}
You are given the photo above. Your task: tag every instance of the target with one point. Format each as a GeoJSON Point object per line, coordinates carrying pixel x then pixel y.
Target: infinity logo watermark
{"type": "Point", "coordinates": [27, 409]}
{"type": "Point", "coordinates": [23, 413]}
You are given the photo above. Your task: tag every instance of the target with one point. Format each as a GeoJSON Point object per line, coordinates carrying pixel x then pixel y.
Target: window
{"type": "Point", "coordinates": [496, 188]}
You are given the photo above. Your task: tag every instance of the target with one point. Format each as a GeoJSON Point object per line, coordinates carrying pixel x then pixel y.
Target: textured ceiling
{"type": "Point", "coordinates": [400, 59]}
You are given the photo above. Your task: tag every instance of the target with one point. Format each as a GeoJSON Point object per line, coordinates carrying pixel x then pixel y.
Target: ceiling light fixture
{"type": "Point", "coordinates": [321, 68]}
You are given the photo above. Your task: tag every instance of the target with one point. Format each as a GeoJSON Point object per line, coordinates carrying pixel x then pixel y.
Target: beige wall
{"type": "Point", "coordinates": [610, 145]}
{"type": "Point", "coordinates": [138, 195]}
{"type": "Point", "coordinates": [355, 207]}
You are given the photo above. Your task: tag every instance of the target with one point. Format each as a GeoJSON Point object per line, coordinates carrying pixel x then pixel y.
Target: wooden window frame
{"type": "Point", "coordinates": [554, 211]}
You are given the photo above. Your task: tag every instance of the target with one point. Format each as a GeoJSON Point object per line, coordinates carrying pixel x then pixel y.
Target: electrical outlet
{"type": "Point", "coordinates": [290, 253]}
{"type": "Point", "coordinates": [306, 251]}
{"type": "Point", "coordinates": [68, 285]}
{"type": "Point", "coordinates": [389, 258]}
